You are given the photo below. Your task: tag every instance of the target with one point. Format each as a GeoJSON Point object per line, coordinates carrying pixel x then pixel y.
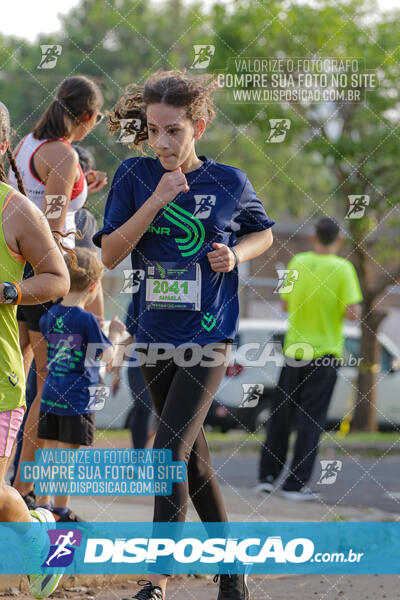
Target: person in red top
{"type": "Point", "coordinates": [55, 183]}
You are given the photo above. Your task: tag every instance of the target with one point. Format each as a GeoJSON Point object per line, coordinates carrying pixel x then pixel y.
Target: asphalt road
{"type": "Point", "coordinates": [367, 482]}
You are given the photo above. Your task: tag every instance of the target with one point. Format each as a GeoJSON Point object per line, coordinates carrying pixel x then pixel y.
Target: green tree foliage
{"type": "Point", "coordinates": [353, 146]}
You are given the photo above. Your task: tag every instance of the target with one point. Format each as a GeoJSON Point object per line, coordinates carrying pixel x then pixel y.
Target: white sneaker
{"type": "Point", "coordinates": [300, 495]}
{"type": "Point", "coordinates": [266, 486]}
{"type": "Point", "coordinates": [41, 586]}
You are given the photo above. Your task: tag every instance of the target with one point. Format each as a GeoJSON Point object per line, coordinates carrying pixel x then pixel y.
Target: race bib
{"type": "Point", "coordinates": [170, 286]}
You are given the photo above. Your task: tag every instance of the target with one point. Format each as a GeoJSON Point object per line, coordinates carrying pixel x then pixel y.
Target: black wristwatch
{"type": "Point", "coordinates": [10, 293]}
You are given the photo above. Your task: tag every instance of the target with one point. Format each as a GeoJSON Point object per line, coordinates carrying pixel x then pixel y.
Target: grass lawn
{"type": "Point", "coordinates": [214, 437]}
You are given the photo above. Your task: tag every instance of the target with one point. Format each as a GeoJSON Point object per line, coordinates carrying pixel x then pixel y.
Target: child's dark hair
{"type": "Point", "coordinates": [327, 231]}
{"type": "Point", "coordinates": [89, 269]}
{"type": "Point", "coordinates": [86, 158]}
{"type": "Point", "coordinates": [75, 97]}
{"type": "Point", "coordinates": [168, 87]}
{"type": "Point", "coordinates": [5, 132]}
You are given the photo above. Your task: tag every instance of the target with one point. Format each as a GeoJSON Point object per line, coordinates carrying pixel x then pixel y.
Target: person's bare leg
{"type": "Point", "coordinates": [27, 356]}
{"type": "Point", "coordinates": [12, 455]}
{"type": "Point", "coordinates": [26, 347]}
{"type": "Point", "coordinates": [63, 501]}
{"type": "Point", "coordinates": [46, 444]}
{"type": "Point", "coordinates": [12, 508]}
{"type": "Point", "coordinates": [150, 439]}
{"type": "Point", "coordinates": [30, 440]}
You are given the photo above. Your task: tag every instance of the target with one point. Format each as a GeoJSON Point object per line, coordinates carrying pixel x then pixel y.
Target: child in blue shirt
{"type": "Point", "coordinates": [76, 346]}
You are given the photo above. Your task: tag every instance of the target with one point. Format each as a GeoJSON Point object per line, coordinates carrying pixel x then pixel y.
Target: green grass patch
{"type": "Point", "coordinates": [216, 438]}
{"type": "Point", "coordinates": [363, 437]}
{"type": "Point", "coordinates": [112, 434]}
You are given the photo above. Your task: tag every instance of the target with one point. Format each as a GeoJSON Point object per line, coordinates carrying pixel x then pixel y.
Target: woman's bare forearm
{"type": "Point", "coordinates": [253, 245]}
{"type": "Point", "coordinates": [118, 244]}
{"type": "Point", "coordinates": [44, 287]}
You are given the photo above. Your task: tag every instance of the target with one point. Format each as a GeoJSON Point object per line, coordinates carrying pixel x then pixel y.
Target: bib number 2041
{"type": "Point", "coordinates": [172, 286]}
{"type": "Point", "coordinates": [165, 287]}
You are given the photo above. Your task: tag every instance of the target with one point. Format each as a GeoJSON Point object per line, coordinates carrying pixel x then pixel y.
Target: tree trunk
{"type": "Point", "coordinates": [365, 414]}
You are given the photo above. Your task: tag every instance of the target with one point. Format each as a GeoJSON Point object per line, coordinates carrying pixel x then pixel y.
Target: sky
{"type": "Point", "coordinates": [29, 18]}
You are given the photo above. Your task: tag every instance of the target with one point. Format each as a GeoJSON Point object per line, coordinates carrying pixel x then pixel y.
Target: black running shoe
{"type": "Point", "coordinates": [148, 591]}
{"type": "Point", "coordinates": [232, 587]}
{"type": "Point", "coordinates": [69, 517]}
{"type": "Point", "coordinates": [30, 500]}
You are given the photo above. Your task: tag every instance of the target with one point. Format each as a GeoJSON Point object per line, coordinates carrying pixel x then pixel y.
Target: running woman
{"type": "Point", "coordinates": [55, 183]}
{"type": "Point", "coordinates": [179, 216]}
{"type": "Point", "coordinates": [27, 236]}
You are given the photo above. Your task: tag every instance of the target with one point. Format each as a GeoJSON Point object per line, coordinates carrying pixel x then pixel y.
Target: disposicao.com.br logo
{"type": "Point", "coordinates": [182, 548]}
{"type": "Point", "coordinates": [190, 550]}
{"type": "Point", "coordinates": [219, 551]}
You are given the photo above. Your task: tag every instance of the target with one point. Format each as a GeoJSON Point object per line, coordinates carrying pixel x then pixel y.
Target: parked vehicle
{"type": "Point", "coordinates": [265, 338]}
{"type": "Point", "coordinates": [257, 358]}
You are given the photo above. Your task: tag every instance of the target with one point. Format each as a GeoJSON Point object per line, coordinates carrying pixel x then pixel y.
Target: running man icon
{"type": "Point", "coordinates": [50, 55]}
{"type": "Point", "coordinates": [204, 205]}
{"type": "Point", "coordinates": [54, 205]}
{"type": "Point", "coordinates": [279, 129]}
{"type": "Point", "coordinates": [133, 279]}
{"type": "Point", "coordinates": [61, 550]}
{"type": "Point", "coordinates": [330, 471]}
{"type": "Point", "coordinates": [203, 55]}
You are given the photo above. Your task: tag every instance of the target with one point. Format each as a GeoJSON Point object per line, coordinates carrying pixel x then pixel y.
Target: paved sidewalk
{"type": "Point", "coordinates": [320, 587]}
{"type": "Point", "coordinates": [267, 587]}
{"type": "Point", "coordinates": [242, 505]}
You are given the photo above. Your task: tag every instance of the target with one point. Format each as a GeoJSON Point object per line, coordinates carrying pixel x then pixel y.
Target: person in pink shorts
{"type": "Point", "coordinates": [10, 422]}
{"type": "Point", "coordinates": [27, 235]}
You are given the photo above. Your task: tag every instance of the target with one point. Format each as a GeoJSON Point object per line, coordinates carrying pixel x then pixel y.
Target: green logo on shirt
{"type": "Point", "coordinates": [161, 270]}
{"type": "Point", "coordinates": [208, 321]}
{"type": "Point", "coordinates": [158, 230]}
{"type": "Point", "coordinates": [192, 227]}
{"type": "Point", "coordinates": [59, 324]}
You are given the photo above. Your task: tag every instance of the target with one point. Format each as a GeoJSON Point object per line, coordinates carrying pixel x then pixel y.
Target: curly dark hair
{"type": "Point", "coordinates": [168, 87]}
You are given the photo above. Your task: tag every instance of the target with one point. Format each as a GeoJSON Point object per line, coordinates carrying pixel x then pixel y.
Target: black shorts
{"type": "Point", "coordinates": [31, 313]}
{"type": "Point", "coordinates": [77, 429]}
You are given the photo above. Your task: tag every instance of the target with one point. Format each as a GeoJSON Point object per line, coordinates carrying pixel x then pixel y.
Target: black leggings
{"type": "Point", "coordinates": [182, 397]}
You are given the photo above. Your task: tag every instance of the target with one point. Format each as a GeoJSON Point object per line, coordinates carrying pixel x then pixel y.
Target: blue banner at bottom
{"type": "Point", "coordinates": [258, 548]}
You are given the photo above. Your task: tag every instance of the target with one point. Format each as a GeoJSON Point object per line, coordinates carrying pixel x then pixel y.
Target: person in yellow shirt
{"type": "Point", "coordinates": [27, 236]}
{"type": "Point", "coordinates": [325, 290]}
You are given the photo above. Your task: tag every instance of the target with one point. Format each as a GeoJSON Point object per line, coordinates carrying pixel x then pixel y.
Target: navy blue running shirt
{"type": "Point", "coordinates": [70, 386]}
{"type": "Point", "coordinates": [170, 261]}
{"type": "Point", "coordinates": [130, 321]}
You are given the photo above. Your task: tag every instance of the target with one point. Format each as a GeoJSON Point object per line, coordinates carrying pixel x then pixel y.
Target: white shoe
{"type": "Point", "coordinates": [41, 586]}
{"type": "Point", "coordinates": [266, 486]}
{"type": "Point", "coordinates": [300, 495]}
